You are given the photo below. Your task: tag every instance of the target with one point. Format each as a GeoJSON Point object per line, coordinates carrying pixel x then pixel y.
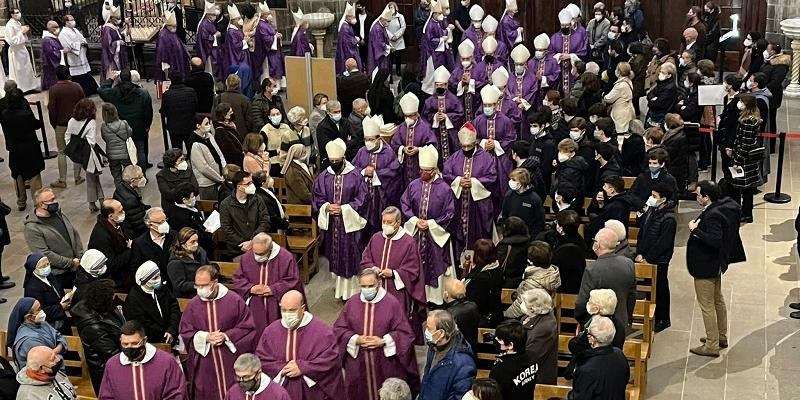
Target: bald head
{"type": "Point", "coordinates": [690, 34]}
{"type": "Point", "coordinates": [197, 63]}
{"type": "Point", "coordinates": [605, 241]}
{"type": "Point", "coordinates": [350, 64]}
{"type": "Point", "coordinates": [291, 301]}
{"type": "Point", "coordinates": [455, 289]}
{"type": "Point", "coordinates": [40, 358]}
{"type": "Point", "coordinates": [52, 26]}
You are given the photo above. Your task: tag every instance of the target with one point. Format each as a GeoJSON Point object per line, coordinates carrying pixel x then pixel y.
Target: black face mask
{"type": "Point", "coordinates": [469, 153]}
{"type": "Point", "coordinates": [337, 166]}
{"type": "Point", "coordinates": [57, 367]}
{"type": "Point", "coordinates": [52, 208]}
{"type": "Point", "coordinates": [250, 385]}
{"type": "Point", "coordinates": [565, 31]}
{"type": "Point", "coordinates": [489, 59]}
{"type": "Point", "coordinates": [134, 353]}
{"type": "Point", "coordinates": [440, 91]}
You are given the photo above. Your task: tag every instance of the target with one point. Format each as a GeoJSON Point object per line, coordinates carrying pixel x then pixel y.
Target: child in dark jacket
{"type": "Point", "coordinates": [569, 167]}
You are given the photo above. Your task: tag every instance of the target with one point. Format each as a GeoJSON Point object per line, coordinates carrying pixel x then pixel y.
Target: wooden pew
{"type": "Point", "coordinates": [82, 382]}
{"type": "Point", "coordinates": [182, 303]}
{"type": "Point", "coordinates": [305, 246]}
{"type": "Point", "coordinates": [279, 188]}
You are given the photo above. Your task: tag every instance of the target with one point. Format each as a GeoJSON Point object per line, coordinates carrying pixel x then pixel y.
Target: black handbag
{"type": "Point", "coordinates": [78, 149]}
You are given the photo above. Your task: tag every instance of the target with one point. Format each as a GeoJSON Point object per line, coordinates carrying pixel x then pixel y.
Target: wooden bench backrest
{"type": "Point", "coordinates": [301, 217]}
{"type": "Point", "coordinates": [628, 181]}
{"type": "Point", "coordinates": [565, 313]}
{"type": "Point", "coordinates": [74, 344]}
{"type": "Point", "coordinates": [182, 303]}
{"type": "Point", "coordinates": [4, 345]}
{"type": "Point", "coordinates": [279, 187]}
{"type": "Point", "coordinates": [227, 269]}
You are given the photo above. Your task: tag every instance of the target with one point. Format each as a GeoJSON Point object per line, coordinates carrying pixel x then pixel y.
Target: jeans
{"type": "Point", "coordinates": [712, 305]}
{"type": "Point", "coordinates": [61, 144]}
{"type": "Point", "coordinates": [35, 184]}
{"type": "Point", "coordinates": [662, 293]}
{"type": "Point", "coordinates": [142, 152]}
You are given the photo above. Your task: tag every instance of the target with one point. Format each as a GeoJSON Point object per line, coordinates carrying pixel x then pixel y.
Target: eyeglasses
{"type": "Point", "coordinates": [245, 378]}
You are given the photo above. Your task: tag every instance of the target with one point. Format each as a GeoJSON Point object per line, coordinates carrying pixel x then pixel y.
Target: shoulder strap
{"type": "Point", "coordinates": [83, 128]}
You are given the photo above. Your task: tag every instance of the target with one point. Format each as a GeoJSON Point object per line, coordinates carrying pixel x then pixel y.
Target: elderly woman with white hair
{"type": "Point", "coordinates": [394, 389]}
{"type": "Point", "coordinates": [603, 367]}
{"type": "Point", "coordinates": [623, 247]}
{"type": "Point", "coordinates": [299, 133]}
{"type": "Point", "coordinates": [542, 328]}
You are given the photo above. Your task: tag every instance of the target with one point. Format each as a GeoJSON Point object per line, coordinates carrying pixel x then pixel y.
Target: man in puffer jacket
{"type": "Point", "coordinates": [570, 167]}
{"type": "Point", "coordinates": [449, 369]}
{"type": "Point", "coordinates": [539, 274]}
{"type": "Point", "coordinates": [611, 203]}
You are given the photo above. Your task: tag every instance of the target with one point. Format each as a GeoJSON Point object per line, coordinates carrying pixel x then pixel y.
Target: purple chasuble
{"type": "Point", "coordinates": [431, 200]}
{"type": "Point", "coordinates": [383, 191]}
{"type": "Point", "coordinates": [524, 87]}
{"type": "Point", "coordinates": [212, 375]}
{"type": "Point", "coordinates": [418, 135]}
{"type": "Point", "coordinates": [313, 347]}
{"type": "Point", "coordinates": [507, 31]}
{"type": "Point", "coordinates": [341, 248]}
{"type": "Point", "coordinates": [470, 101]}
{"type": "Point", "coordinates": [476, 37]}
{"type": "Point", "coordinates": [377, 57]}
{"type": "Point", "coordinates": [114, 55]}
{"type": "Point", "coordinates": [262, 41]}
{"type": "Point", "coordinates": [504, 132]}
{"type": "Point", "coordinates": [576, 43]}
{"type": "Point", "coordinates": [401, 255]}
{"type": "Point", "coordinates": [170, 50]}
{"type": "Point", "coordinates": [483, 72]}
{"type": "Point", "coordinates": [158, 377]}
{"type": "Point", "coordinates": [51, 58]}
{"type": "Point", "coordinates": [205, 49]}
{"type": "Point", "coordinates": [366, 369]}
{"type": "Point", "coordinates": [507, 107]}
{"type": "Point", "coordinates": [473, 218]}
{"type": "Point", "coordinates": [280, 273]}
{"type": "Point", "coordinates": [546, 68]}
{"type": "Point", "coordinates": [300, 45]}
{"type": "Point", "coordinates": [277, 70]}
{"type": "Point", "coordinates": [234, 53]}
{"type": "Point", "coordinates": [448, 138]}
{"type": "Point", "coordinates": [272, 391]}
{"type": "Point", "coordinates": [346, 47]}
{"type": "Point", "coordinates": [433, 38]}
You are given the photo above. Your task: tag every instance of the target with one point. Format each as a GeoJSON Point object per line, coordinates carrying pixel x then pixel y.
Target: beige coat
{"type": "Point", "coordinates": [620, 98]}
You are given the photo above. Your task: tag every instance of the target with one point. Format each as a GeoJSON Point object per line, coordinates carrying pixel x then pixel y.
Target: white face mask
{"type": "Point", "coordinates": [205, 292]}
{"type": "Point", "coordinates": [121, 218]}
{"type": "Point", "coordinates": [182, 166]}
{"type": "Point", "coordinates": [410, 121]}
{"type": "Point", "coordinates": [290, 319]}
{"type": "Point", "coordinates": [598, 17]}
{"type": "Point", "coordinates": [748, 84]}
{"type": "Point", "coordinates": [747, 42]}
{"type": "Point", "coordinates": [369, 293]}
{"type": "Point", "coordinates": [612, 35]}
{"type": "Point", "coordinates": [545, 103]}
{"type": "Point", "coordinates": [519, 69]}
{"type": "Point", "coordinates": [593, 119]}
{"type": "Point", "coordinates": [440, 17]}
{"type": "Point", "coordinates": [476, 24]}
{"type": "Point", "coordinates": [687, 84]}
{"type": "Point", "coordinates": [662, 76]}
{"type": "Point", "coordinates": [466, 64]}
{"type": "Point", "coordinates": [275, 90]}
{"type": "Point", "coordinates": [191, 247]}
{"type": "Point", "coordinates": [513, 185]}
{"type": "Point", "coordinates": [539, 54]}
{"type": "Point", "coordinates": [576, 136]}
{"type": "Point", "coordinates": [562, 157]}
{"type": "Point", "coordinates": [262, 148]}
{"type": "Point", "coordinates": [682, 62]}
{"type": "Point", "coordinates": [388, 230]}
{"type": "Point", "coordinates": [275, 119]}
{"type": "Point", "coordinates": [740, 106]}
{"type": "Point", "coordinates": [766, 55]}
{"type": "Point", "coordinates": [70, 24]}
{"type": "Point", "coordinates": [535, 131]}
{"type": "Point", "coordinates": [40, 317]}
{"type": "Point", "coordinates": [652, 202]}
{"type": "Point", "coordinates": [250, 189]}
{"type": "Point", "coordinates": [163, 228]}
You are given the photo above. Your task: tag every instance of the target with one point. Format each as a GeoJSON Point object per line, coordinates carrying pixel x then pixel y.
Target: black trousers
{"type": "Point", "coordinates": [745, 198]}
{"type": "Point", "coordinates": [662, 293]}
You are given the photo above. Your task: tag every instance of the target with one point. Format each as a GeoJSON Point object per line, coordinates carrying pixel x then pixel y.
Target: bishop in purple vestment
{"type": "Point", "coordinates": [545, 67]}
{"type": "Point", "coordinates": [151, 374]}
{"type": "Point", "coordinates": [376, 341]}
{"type": "Point", "coordinates": [114, 55]}
{"type": "Point", "coordinates": [381, 171]}
{"type": "Point", "coordinates": [277, 69]}
{"type": "Point", "coordinates": [474, 33]}
{"type": "Point", "coordinates": [171, 54]}
{"type": "Point", "coordinates": [567, 46]}
{"type": "Point", "coordinates": [339, 201]}
{"type": "Point", "coordinates": [489, 63]}
{"type": "Point", "coordinates": [236, 52]}
{"type": "Point", "coordinates": [445, 113]}
{"type": "Point", "coordinates": [496, 132]}
{"type": "Point", "coordinates": [510, 31]}
{"type": "Point", "coordinates": [205, 45]}
{"type": "Point", "coordinates": [301, 353]}
{"type": "Point", "coordinates": [347, 42]}
{"type": "Point", "coordinates": [412, 134]}
{"type": "Point", "coordinates": [300, 45]}
{"type": "Point", "coordinates": [216, 326]}
{"type": "Point", "coordinates": [433, 46]}
{"type": "Point", "coordinates": [52, 54]}
{"type": "Point", "coordinates": [505, 104]}
{"type": "Point", "coordinates": [379, 47]}
{"type": "Point", "coordinates": [262, 41]}
{"type": "Point", "coordinates": [396, 258]}
{"type": "Point", "coordinates": [522, 87]}
{"type": "Point", "coordinates": [265, 388]}
{"type": "Point", "coordinates": [265, 274]}
{"type": "Point", "coordinates": [500, 50]}
{"type": "Point", "coordinates": [472, 173]}
{"type": "Point", "coordinates": [429, 207]}
{"type": "Point", "coordinates": [466, 81]}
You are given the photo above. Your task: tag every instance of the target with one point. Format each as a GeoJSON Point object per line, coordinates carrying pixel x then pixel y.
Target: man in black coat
{"type": "Point", "coordinates": [132, 178]}
{"type": "Point", "coordinates": [350, 85]}
{"type": "Point", "coordinates": [183, 214]}
{"type": "Point", "coordinates": [203, 84]}
{"type": "Point", "coordinates": [161, 320]}
{"type": "Point", "coordinates": [464, 312]}
{"type": "Point", "coordinates": [728, 120]}
{"type": "Point", "coordinates": [611, 203]}
{"type": "Point", "coordinates": [154, 244]}
{"type": "Point", "coordinates": [714, 242]}
{"type": "Point", "coordinates": [110, 238]}
{"type": "Point", "coordinates": [656, 173]}
{"type": "Point", "coordinates": [178, 107]}
{"type": "Point", "coordinates": [329, 130]}
{"type": "Point", "coordinates": [603, 372]}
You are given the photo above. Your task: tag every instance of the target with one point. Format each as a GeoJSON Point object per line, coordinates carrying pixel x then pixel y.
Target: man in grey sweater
{"type": "Point", "coordinates": [49, 231]}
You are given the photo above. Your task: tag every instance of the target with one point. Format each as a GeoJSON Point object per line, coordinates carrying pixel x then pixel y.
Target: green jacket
{"type": "Point", "coordinates": [133, 105]}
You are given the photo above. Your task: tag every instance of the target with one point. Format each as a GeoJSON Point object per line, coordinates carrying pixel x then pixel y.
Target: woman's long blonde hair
{"type": "Point", "coordinates": [750, 107]}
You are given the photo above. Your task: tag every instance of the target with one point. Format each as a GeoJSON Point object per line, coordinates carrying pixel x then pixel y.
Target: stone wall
{"type": "Point", "coordinates": [778, 10]}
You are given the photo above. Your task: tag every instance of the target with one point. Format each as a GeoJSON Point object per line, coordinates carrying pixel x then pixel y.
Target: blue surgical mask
{"type": "Point", "coordinates": [336, 117]}
{"type": "Point", "coordinates": [652, 202]}
{"type": "Point", "coordinates": [275, 119]}
{"type": "Point", "coordinates": [654, 170]}
{"type": "Point", "coordinates": [488, 111]}
{"type": "Point", "coordinates": [155, 285]}
{"type": "Point", "coordinates": [429, 338]}
{"type": "Point", "coordinates": [43, 272]}
{"type": "Point", "coordinates": [369, 293]}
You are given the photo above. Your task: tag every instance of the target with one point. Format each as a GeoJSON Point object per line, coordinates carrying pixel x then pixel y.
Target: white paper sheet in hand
{"type": "Point", "coordinates": [710, 95]}
{"type": "Point", "coordinates": [736, 172]}
{"type": "Point", "coordinates": [212, 222]}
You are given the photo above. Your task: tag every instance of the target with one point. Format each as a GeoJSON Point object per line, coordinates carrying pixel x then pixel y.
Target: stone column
{"type": "Point", "coordinates": [791, 28]}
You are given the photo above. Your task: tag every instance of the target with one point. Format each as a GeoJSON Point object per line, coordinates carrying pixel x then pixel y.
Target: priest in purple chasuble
{"type": "Point", "coordinates": [433, 46]}
{"type": "Point", "coordinates": [171, 54]}
{"type": "Point", "coordinates": [141, 371]}
{"type": "Point", "coordinates": [484, 67]}
{"type": "Point", "coordinates": [393, 253]}
{"type": "Point", "coordinates": [206, 41]}
{"type": "Point", "coordinates": [265, 273]}
{"type": "Point", "coordinates": [379, 46]}
{"type": "Point", "coordinates": [301, 353]}
{"type": "Point", "coordinates": [505, 104]}
{"type": "Point", "coordinates": [277, 67]}
{"type": "Point", "coordinates": [428, 205]}
{"type": "Point", "coordinates": [496, 132]}
{"type": "Point", "coordinates": [544, 66]}
{"type": "Point", "coordinates": [375, 340]}
{"type": "Point", "coordinates": [568, 46]}
{"type": "Point", "coordinates": [216, 326]}
{"type": "Point", "coordinates": [252, 384]}
{"type": "Point", "coordinates": [472, 173]}
{"type": "Point", "coordinates": [447, 28]}
{"type": "Point", "coordinates": [510, 31]}
{"type": "Point", "coordinates": [466, 80]}
{"type": "Point", "coordinates": [413, 134]}
{"type": "Point", "coordinates": [236, 49]}
{"type": "Point", "coordinates": [300, 44]}
{"type": "Point", "coordinates": [113, 53]}
{"type": "Point", "coordinates": [522, 84]}
{"type": "Point", "coordinates": [474, 34]}
{"type": "Point", "coordinates": [501, 51]}
{"type": "Point", "coordinates": [262, 42]}
{"type": "Point", "coordinates": [338, 198]}
{"type": "Point", "coordinates": [381, 171]}
{"type": "Point", "coordinates": [445, 113]}
{"type": "Point", "coordinates": [52, 55]}
{"type": "Point", "coordinates": [347, 41]}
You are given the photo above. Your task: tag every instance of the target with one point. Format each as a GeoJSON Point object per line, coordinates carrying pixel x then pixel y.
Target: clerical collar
{"type": "Point", "coordinates": [346, 170]}
{"type": "Point", "coordinates": [149, 353]}
{"type": "Point", "coordinates": [222, 290]}
{"type": "Point", "coordinates": [48, 34]}
{"type": "Point", "coordinates": [265, 381]}
{"type": "Point", "coordinates": [400, 232]}
{"type": "Point", "coordinates": [378, 297]}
